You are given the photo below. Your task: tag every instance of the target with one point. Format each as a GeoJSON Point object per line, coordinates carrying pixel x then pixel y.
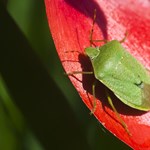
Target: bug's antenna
{"type": "Point", "coordinates": [91, 32]}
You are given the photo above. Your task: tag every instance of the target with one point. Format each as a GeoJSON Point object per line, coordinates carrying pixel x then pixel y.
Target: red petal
{"type": "Point", "coordinates": [70, 22]}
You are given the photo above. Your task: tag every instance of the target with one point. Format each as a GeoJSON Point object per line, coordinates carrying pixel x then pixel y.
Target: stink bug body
{"type": "Point", "coordinates": [121, 73]}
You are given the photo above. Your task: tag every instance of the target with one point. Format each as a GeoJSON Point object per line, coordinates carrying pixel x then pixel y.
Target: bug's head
{"type": "Point", "coordinates": [92, 52]}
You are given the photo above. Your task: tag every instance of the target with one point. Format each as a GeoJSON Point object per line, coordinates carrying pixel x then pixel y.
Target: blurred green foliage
{"type": "Point", "coordinates": [15, 126]}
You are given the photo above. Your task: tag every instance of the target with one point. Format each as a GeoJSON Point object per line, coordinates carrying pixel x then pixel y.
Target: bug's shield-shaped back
{"type": "Point", "coordinates": [123, 74]}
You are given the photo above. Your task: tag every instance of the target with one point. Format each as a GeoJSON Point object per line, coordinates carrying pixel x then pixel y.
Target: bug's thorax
{"type": "Point", "coordinates": [106, 59]}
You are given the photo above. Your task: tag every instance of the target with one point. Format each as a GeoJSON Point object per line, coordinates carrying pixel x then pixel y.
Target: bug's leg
{"type": "Point", "coordinates": [117, 114]}
{"type": "Point", "coordinates": [94, 100]}
{"type": "Point", "coordinates": [125, 37]}
{"type": "Point", "coordinates": [78, 72]}
{"type": "Point", "coordinates": [92, 30]}
{"type": "Point", "coordinates": [93, 87]}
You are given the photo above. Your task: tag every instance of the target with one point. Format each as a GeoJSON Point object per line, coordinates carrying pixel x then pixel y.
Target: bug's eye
{"type": "Point", "coordinates": [92, 52]}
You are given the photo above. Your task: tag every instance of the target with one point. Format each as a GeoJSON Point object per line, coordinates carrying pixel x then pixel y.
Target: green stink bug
{"type": "Point", "coordinates": [121, 73]}
{"type": "Point", "coordinates": [118, 70]}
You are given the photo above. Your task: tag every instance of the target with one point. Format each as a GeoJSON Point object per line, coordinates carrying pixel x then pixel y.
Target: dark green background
{"type": "Point", "coordinates": [39, 107]}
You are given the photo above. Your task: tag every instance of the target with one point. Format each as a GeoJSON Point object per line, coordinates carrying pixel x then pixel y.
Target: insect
{"type": "Point", "coordinates": [118, 70]}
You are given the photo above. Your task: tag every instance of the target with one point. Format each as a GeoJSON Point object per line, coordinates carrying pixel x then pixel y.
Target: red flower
{"type": "Point", "coordinates": [70, 22]}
